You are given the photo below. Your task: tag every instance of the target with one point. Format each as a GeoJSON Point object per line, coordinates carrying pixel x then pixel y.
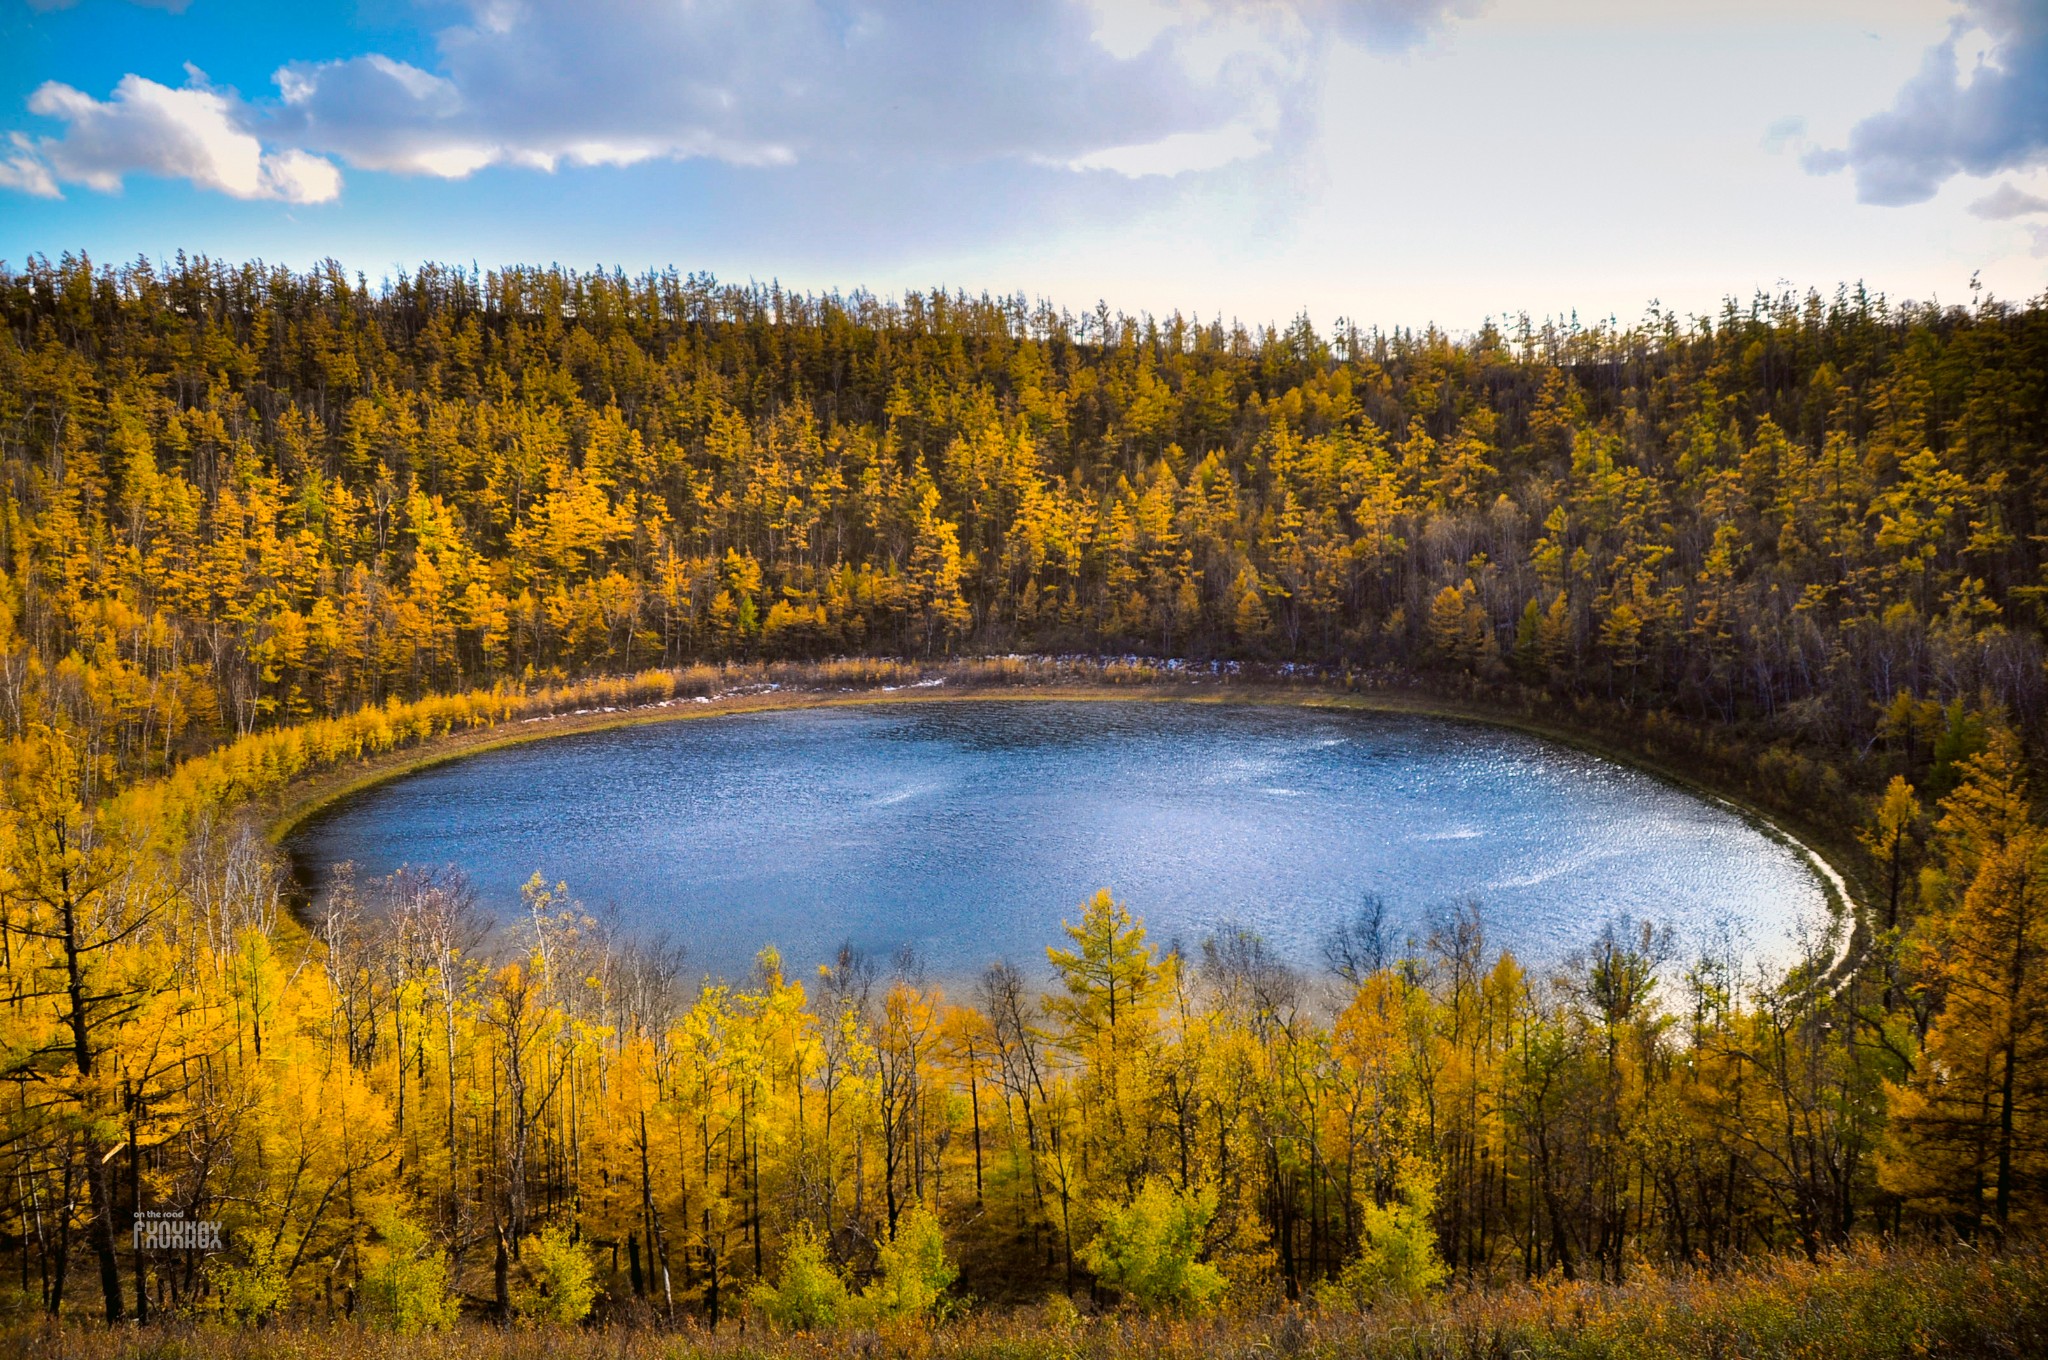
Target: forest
{"type": "Point", "coordinates": [258, 523]}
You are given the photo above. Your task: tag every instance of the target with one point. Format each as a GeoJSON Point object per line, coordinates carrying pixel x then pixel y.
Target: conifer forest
{"type": "Point", "coordinates": [259, 527]}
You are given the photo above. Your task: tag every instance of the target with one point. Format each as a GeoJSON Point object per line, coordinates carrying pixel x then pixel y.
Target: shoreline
{"type": "Point", "coordinates": [303, 801]}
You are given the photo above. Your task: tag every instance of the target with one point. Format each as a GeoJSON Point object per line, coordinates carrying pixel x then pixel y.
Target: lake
{"type": "Point", "coordinates": [967, 829]}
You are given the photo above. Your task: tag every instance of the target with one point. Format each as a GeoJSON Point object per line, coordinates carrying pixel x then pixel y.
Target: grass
{"type": "Point", "coordinates": [1858, 1304]}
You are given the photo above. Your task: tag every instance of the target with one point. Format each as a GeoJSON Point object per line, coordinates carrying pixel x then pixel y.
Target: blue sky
{"type": "Point", "coordinates": [1392, 161]}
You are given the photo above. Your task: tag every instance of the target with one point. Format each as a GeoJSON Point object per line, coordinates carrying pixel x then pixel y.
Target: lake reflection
{"type": "Point", "coordinates": [968, 829]}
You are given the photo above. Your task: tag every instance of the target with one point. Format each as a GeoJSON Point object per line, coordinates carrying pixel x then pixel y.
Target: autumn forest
{"type": "Point", "coordinates": [258, 526]}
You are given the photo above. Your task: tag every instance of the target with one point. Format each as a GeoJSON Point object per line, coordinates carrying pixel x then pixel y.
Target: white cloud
{"type": "Point", "coordinates": [1138, 87]}
{"type": "Point", "coordinates": [300, 177]}
{"type": "Point", "coordinates": [1177, 153]}
{"type": "Point", "coordinates": [1939, 125]}
{"type": "Point", "coordinates": [21, 170]}
{"type": "Point", "coordinates": [195, 133]}
{"type": "Point", "coordinates": [1124, 28]}
{"type": "Point", "coordinates": [1388, 25]}
{"type": "Point", "coordinates": [1135, 88]}
{"type": "Point", "coordinates": [2006, 202]}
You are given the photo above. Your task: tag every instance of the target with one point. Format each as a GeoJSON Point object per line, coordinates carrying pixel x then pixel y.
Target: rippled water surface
{"type": "Point", "coordinates": [968, 829]}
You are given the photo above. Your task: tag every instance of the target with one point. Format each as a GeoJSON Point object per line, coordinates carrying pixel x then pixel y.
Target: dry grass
{"type": "Point", "coordinates": [1859, 1304]}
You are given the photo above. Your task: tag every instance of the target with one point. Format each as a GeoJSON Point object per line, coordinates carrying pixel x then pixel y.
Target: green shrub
{"type": "Point", "coordinates": [915, 1272]}
{"type": "Point", "coordinates": [1397, 1257]}
{"type": "Point", "coordinates": [246, 1292]}
{"type": "Point", "coordinates": [807, 1294]}
{"type": "Point", "coordinates": [560, 1283]}
{"type": "Point", "coordinates": [405, 1289]}
{"type": "Point", "coordinates": [1148, 1249]}
{"type": "Point", "coordinates": [1059, 1315]}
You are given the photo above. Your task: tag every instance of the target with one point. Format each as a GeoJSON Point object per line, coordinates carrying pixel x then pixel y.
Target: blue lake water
{"type": "Point", "coordinates": [968, 829]}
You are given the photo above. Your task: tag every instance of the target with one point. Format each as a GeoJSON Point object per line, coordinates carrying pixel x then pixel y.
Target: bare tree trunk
{"type": "Point", "coordinates": [99, 1200]}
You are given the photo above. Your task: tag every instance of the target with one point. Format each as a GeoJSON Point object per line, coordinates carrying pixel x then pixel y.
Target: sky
{"type": "Point", "coordinates": [1390, 162]}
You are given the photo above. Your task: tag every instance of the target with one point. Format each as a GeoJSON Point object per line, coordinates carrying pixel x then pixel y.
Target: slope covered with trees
{"type": "Point", "coordinates": [255, 521]}
{"type": "Point", "coordinates": [242, 496]}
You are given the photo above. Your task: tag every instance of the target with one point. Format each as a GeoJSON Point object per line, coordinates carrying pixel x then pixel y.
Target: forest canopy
{"type": "Point", "coordinates": [240, 496]}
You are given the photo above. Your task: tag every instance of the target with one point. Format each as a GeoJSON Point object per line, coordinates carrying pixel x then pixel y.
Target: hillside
{"type": "Point", "coordinates": [258, 525]}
